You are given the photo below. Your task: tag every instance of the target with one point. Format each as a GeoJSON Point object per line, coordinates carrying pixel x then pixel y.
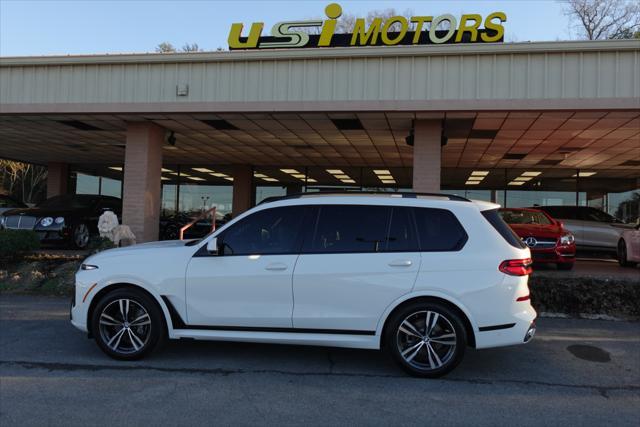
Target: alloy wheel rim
{"type": "Point", "coordinates": [82, 235]}
{"type": "Point", "coordinates": [623, 252]}
{"type": "Point", "coordinates": [125, 326]}
{"type": "Point", "coordinates": [426, 340]}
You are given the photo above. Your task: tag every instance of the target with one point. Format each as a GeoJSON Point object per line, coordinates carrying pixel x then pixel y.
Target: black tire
{"type": "Point", "coordinates": [622, 255]}
{"type": "Point", "coordinates": [80, 236]}
{"type": "Point", "coordinates": [565, 266]}
{"type": "Point", "coordinates": [423, 363]}
{"type": "Point", "coordinates": [110, 308]}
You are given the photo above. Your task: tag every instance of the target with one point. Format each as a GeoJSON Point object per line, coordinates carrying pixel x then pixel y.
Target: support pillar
{"type": "Point", "coordinates": [57, 179]}
{"type": "Point", "coordinates": [427, 156]}
{"type": "Point", "coordinates": [142, 169]}
{"type": "Point", "coordinates": [243, 194]}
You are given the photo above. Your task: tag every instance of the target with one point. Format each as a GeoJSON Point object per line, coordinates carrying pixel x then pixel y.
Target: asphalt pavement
{"type": "Point", "coordinates": [575, 372]}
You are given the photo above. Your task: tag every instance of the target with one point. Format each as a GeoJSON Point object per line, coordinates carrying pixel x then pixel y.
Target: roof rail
{"type": "Point", "coordinates": [404, 195]}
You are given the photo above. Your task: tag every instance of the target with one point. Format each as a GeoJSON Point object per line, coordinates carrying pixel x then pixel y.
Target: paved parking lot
{"type": "Point", "coordinates": [576, 372]}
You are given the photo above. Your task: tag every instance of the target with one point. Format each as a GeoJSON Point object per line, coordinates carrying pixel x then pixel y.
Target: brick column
{"type": "Point", "coordinates": [243, 194]}
{"type": "Point", "coordinates": [142, 168]}
{"type": "Point", "coordinates": [57, 179]}
{"type": "Point", "coordinates": [427, 156]}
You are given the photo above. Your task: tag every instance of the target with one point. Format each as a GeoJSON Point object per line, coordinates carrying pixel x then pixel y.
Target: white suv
{"type": "Point", "coordinates": [421, 276]}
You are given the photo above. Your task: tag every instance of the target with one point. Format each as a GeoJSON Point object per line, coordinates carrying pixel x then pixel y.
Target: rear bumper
{"type": "Point", "coordinates": [520, 331]}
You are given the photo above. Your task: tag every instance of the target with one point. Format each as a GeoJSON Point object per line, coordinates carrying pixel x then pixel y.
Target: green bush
{"type": "Point", "coordinates": [99, 244]}
{"type": "Point", "coordinates": [16, 243]}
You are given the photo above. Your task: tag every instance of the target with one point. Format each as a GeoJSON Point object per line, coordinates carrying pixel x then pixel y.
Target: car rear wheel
{"type": "Point", "coordinates": [80, 235]}
{"type": "Point", "coordinates": [127, 324]}
{"type": "Point", "coordinates": [622, 255]}
{"type": "Point", "coordinates": [426, 339]}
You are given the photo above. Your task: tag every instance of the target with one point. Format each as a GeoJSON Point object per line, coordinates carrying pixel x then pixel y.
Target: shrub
{"type": "Point", "coordinates": [17, 243]}
{"type": "Point", "coordinates": [99, 244]}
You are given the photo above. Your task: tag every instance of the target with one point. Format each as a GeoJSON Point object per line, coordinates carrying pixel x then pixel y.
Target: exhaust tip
{"type": "Point", "coordinates": [530, 332]}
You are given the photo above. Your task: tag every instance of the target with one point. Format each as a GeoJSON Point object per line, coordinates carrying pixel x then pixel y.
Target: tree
{"type": "Point", "coordinates": [166, 47]}
{"type": "Point", "coordinates": [604, 19]}
{"type": "Point", "coordinates": [193, 47]}
{"type": "Point", "coordinates": [23, 181]}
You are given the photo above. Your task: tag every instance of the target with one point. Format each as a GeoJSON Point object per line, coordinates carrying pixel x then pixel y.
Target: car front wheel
{"type": "Point", "coordinates": [426, 339]}
{"type": "Point", "coordinates": [127, 324]}
{"type": "Point", "coordinates": [622, 255]}
{"type": "Point", "coordinates": [80, 236]}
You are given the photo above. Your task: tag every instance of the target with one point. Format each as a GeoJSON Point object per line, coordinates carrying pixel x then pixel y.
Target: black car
{"type": "Point", "coordinates": [68, 219]}
{"type": "Point", "coordinates": [8, 203]}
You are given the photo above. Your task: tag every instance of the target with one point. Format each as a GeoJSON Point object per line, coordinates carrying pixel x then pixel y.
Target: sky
{"type": "Point", "coordinates": [72, 27]}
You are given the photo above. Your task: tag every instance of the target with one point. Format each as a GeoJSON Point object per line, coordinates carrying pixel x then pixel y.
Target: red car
{"type": "Point", "coordinates": [546, 237]}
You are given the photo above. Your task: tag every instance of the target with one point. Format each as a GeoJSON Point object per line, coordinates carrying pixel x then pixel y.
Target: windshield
{"type": "Point", "coordinates": [525, 217]}
{"type": "Point", "coordinates": [68, 202]}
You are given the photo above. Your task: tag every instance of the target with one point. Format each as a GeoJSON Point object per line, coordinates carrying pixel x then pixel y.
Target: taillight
{"type": "Point", "coordinates": [516, 267]}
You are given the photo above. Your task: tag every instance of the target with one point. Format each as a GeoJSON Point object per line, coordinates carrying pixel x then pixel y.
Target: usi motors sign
{"type": "Point", "coordinates": [396, 30]}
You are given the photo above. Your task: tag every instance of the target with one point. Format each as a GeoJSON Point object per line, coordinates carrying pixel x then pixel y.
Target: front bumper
{"type": "Point", "coordinates": [557, 255]}
{"type": "Point", "coordinates": [53, 235]}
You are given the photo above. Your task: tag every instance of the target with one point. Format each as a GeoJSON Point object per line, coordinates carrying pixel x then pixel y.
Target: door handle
{"type": "Point", "coordinates": [400, 263]}
{"type": "Point", "coordinates": [276, 266]}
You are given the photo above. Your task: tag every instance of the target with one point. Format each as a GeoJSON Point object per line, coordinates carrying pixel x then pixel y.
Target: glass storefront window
{"type": "Point", "coordinates": [522, 199]}
{"type": "Point", "coordinates": [625, 206]}
{"type": "Point", "coordinates": [195, 198]}
{"type": "Point", "coordinates": [169, 198]}
{"type": "Point", "coordinates": [263, 192]}
{"type": "Point", "coordinates": [87, 184]}
{"type": "Point", "coordinates": [110, 187]}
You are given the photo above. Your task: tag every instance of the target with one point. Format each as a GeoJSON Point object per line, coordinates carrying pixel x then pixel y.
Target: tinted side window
{"type": "Point", "coordinates": [439, 230]}
{"type": "Point", "coordinates": [560, 212]}
{"type": "Point", "coordinates": [593, 214]}
{"type": "Point", "coordinates": [503, 228]}
{"type": "Point", "coordinates": [270, 231]}
{"type": "Point", "coordinates": [347, 228]}
{"type": "Point", "coordinates": [402, 233]}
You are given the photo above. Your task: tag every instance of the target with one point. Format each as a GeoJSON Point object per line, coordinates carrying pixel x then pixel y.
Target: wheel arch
{"type": "Point", "coordinates": [124, 285]}
{"type": "Point", "coordinates": [468, 325]}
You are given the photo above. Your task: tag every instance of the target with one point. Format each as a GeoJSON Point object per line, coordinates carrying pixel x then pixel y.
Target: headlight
{"type": "Point", "coordinates": [88, 267]}
{"type": "Point", "coordinates": [567, 239]}
{"type": "Point", "coordinates": [46, 221]}
{"type": "Point", "coordinates": [59, 220]}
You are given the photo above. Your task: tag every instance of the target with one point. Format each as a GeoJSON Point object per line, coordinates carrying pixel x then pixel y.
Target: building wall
{"type": "Point", "coordinates": [552, 75]}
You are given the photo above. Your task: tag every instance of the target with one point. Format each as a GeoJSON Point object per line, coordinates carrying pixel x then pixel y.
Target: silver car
{"type": "Point", "coordinates": [593, 229]}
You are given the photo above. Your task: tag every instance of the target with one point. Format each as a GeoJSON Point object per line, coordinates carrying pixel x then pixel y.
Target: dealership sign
{"type": "Point", "coordinates": [396, 30]}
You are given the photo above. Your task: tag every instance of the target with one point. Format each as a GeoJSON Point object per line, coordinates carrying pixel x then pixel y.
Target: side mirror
{"type": "Point", "coordinates": [212, 246]}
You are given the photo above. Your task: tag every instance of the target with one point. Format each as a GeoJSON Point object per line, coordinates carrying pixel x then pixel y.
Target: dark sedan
{"type": "Point", "coordinates": [7, 203]}
{"type": "Point", "coordinates": [67, 219]}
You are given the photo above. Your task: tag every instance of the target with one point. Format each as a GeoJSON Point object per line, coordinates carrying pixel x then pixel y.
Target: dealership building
{"type": "Point", "coordinates": [521, 124]}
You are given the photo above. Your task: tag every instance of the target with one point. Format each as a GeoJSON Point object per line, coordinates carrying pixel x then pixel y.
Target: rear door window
{"type": "Point", "coordinates": [402, 236]}
{"type": "Point", "coordinates": [349, 228]}
{"type": "Point", "coordinates": [439, 230]}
